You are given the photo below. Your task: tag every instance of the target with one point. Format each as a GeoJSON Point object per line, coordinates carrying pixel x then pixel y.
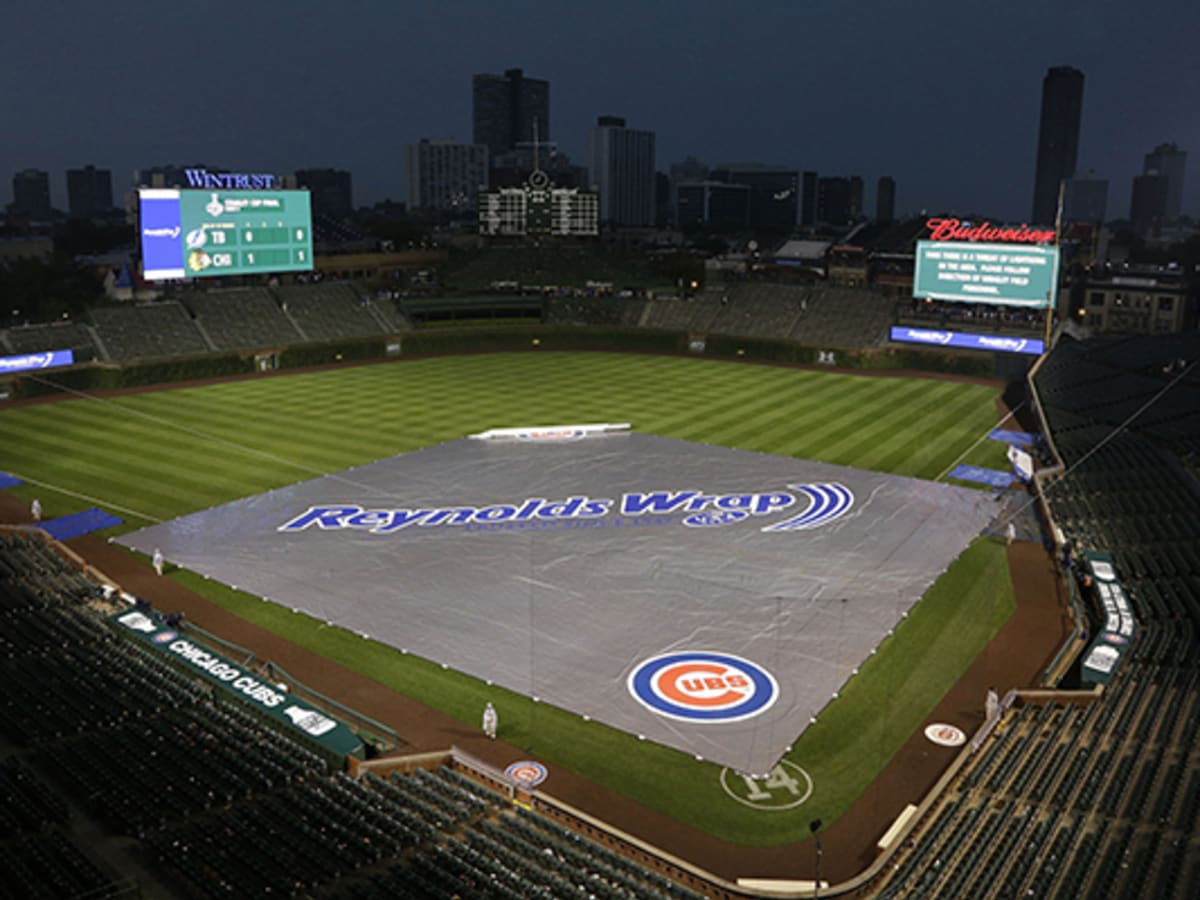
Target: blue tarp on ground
{"type": "Point", "coordinates": [980, 475]}
{"type": "Point", "coordinates": [7, 481]}
{"type": "Point", "coordinates": [66, 527]}
{"type": "Point", "coordinates": [1024, 438]}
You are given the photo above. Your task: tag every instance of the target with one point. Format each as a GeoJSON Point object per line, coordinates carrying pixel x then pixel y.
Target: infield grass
{"type": "Point", "coordinates": [159, 455]}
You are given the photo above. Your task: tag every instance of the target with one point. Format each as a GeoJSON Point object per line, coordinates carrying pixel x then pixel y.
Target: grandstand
{"type": "Point", "coordinates": [242, 319]}
{"type": "Point", "coordinates": [76, 337]}
{"type": "Point", "coordinates": [332, 311]}
{"type": "Point", "coordinates": [819, 316]}
{"type": "Point", "coordinates": [1097, 794]}
{"type": "Point", "coordinates": [218, 802]}
{"type": "Point", "coordinates": [148, 331]}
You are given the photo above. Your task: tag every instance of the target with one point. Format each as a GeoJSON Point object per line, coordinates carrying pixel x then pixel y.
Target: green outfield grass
{"type": "Point", "coordinates": [159, 455]}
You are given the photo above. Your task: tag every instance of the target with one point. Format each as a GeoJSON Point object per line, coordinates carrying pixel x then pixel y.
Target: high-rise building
{"type": "Point", "coordinates": [716, 204]}
{"type": "Point", "coordinates": [31, 193]}
{"type": "Point", "coordinates": [885, 199]}
{"type": "Point", "coordinates": [1058, 139]}
{"type": "Point", "coordinates": [446, 176]}
{"type": "Point", "coordinates": [89, 191]}
{"type": "Point", "coordinates": [808, 199]}
{"type": "Point", "coordinates": [1086, 200]}
{"type": "Point", "coordinates": [1168, 160]}
{"type": "Point", "coordinates": [505, 109]}
{"type": "Point", "coordinates": [331, 189]}
{"type": "Point", "coordinates": [774, 194]}
{"type": "Point", "coordinates": [623, 172]}
{"type": "Point", "coordinates": [839, 200]}
{"type": "Point", "coordinates": [1148, 205]}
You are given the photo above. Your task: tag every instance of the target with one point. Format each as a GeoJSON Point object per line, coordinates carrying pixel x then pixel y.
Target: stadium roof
{"type": "Point", "coordinates": [803, 250]}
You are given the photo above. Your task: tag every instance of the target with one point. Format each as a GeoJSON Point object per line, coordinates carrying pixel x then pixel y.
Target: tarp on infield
{"type": "Point", "coordinates": [558, 568]}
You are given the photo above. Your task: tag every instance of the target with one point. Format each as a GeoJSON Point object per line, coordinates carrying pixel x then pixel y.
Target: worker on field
{"type": "Point", "coordinates": [489, 721]}
{"type": "Point", "coordinates": [158, 561]}
{"type": "Point", "coordinates": [35, 509]}
{"type": "Point", "coordinates": [1010, 533]}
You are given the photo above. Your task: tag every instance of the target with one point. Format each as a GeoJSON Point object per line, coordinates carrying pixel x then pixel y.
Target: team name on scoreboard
{"type": "Point", "coordinates": [826, 502]}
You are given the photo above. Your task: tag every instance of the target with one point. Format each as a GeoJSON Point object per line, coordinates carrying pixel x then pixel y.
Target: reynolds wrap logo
{"type": "Point", "coordinates": [161, 232]}
{"type": "Point", "coordinates": [929, 337]}
{"type": "Point", "coordinates": [694, 509]}
{"type": "Point", "coordinates": [27, 361]}
{"type": "Point", "coordinates": [1012, 345]}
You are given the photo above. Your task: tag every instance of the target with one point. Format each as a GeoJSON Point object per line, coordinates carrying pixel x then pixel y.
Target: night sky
{"type": "Point", "coordinates": [943, 96]}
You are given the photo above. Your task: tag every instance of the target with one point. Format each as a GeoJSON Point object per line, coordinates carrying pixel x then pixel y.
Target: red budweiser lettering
{"type": "Point", "coordinates": [955, 230]}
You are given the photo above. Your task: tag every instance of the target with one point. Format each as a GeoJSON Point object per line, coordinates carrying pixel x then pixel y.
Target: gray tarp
{"type": "Point", "coordinates": [564, 607]}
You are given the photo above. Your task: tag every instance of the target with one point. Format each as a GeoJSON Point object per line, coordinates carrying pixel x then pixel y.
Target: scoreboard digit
{"type": "Point", "coordinates": [201, 234]}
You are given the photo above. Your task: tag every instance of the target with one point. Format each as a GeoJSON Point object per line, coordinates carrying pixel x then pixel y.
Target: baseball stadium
{"type": "Point", "coordinates": [768, 600]}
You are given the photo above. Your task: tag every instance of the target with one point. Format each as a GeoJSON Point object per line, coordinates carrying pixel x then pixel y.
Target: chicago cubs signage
{"type": "Point", "coordinates": [826, 502]}
{"type": "Point", "coordinates": [695, 686]}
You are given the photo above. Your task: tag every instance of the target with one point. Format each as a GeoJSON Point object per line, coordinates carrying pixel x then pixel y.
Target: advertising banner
{"type": "Point", "coordinates": [296, 716]}
{"type": "Point", "coordinates": [26, 362]}
{"type": "Point", "coordinates": [967, 341]}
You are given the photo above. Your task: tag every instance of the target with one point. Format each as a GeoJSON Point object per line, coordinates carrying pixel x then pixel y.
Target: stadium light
{"type": "Point", "coordinates": [815, 826]}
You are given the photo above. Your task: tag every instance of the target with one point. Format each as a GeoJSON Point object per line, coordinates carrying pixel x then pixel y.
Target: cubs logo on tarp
{"type": "Point", "coordinates": [527, 772]}
{"type": "Point", "coordinates": [703, 687]}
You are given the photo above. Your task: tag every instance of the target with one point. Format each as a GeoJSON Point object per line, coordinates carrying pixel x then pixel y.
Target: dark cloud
{"type": "Point", "coordinates": [943, 96]}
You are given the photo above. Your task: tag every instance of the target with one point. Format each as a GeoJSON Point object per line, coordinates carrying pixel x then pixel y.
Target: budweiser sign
{"type": "Point", "coordinates": [986, 232]}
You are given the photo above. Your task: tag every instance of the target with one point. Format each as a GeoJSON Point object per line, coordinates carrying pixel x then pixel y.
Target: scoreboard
{"type": "Point", "coordinates": [1003, 274]}
{"type": "Point", "coordinates": [201, 234]}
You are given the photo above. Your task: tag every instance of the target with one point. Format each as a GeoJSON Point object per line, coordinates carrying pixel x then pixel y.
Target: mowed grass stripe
{"type": "Point", "coordinates": [929, 449]}
{"type": "Point", "coordinates": [846, 421]}
{"type": "Point", "coordinates": [797, 413]}
{"type": "Point", "coordinates": [891, 423]}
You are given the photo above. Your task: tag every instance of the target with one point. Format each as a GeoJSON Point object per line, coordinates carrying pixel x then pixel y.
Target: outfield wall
{"type": "Point", "coordinates": [448, 341]}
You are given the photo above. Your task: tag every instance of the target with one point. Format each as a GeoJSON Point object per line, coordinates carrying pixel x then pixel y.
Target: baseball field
{"type": "Point", "coordinates": [152, 456]}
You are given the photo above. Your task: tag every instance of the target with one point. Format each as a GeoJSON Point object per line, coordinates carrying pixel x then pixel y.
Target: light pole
{"type": "Point", "coordinates": [814, 826]}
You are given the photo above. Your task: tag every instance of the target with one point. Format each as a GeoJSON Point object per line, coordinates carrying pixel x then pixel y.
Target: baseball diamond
{"type": "Point", "coordinates": [577, 561]}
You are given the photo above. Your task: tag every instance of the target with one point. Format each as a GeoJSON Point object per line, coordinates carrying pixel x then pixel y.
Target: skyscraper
{"type": "Point", "coordinates": [623, 172]}
{"type": "Point", "coordinates": [1086, 199]}
{"type": "Point", "coordinates": [774, 194]}
{"type": "Point", "coordinates": [885, 199]}
{"type": "Point", "coordinates": [1148, 205]}
{"type": "Point", "coordinates": [839, 200]}
{"type": "Point", "coordinates": [446, 176]}
{"type": "Point", "coordinates": [89, 191]}
{"type": "Point", "coordinates": [1058, 139]}
{"type": "Point", "coordinates": [1169, 161]}
{"type": "Point", "coordinates": [331, 189]}
{"type": "Point", "coordinates": [31, 193]}
{"type": "Point", "coordinates": [505, 107]}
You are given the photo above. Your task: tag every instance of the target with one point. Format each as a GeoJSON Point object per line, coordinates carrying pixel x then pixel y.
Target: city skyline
{"type": "Point", "coordinates": [938, 97]}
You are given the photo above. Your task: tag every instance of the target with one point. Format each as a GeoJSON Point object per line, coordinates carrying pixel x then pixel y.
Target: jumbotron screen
{"type": "Point", "coordinates": [1004, 274]}
{"type": "Point", "coordinates": [202, 234]}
